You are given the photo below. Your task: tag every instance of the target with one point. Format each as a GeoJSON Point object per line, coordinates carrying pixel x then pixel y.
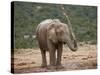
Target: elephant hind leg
{"type": "Point", "coordinates": [44, 62]}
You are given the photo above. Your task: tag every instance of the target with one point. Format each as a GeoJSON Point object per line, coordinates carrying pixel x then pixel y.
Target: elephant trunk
{"type": "Point", "coordinates": [72, 44]}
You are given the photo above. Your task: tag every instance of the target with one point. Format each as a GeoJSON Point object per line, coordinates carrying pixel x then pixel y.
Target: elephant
{"type": "Point", "coordinates": [52, 34]}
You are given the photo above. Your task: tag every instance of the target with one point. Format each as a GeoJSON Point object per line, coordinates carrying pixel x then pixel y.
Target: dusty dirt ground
{"type": "Point", "coordinates": [29, 60]}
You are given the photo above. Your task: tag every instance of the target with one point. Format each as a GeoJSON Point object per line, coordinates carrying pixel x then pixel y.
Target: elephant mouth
{"type": "Point", "coordinates": [64, 42]}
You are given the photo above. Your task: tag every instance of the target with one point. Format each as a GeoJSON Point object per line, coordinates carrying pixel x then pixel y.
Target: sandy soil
{"type": "Point", "coordinates": [29, 60]}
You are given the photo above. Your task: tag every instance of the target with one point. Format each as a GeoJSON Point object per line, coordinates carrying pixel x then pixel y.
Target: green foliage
{"type": "Point", "coordinates": [28, 15]}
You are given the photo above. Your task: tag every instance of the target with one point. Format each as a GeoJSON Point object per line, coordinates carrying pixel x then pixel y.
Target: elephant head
{"type": "Point", "coordinates": [59, 32]}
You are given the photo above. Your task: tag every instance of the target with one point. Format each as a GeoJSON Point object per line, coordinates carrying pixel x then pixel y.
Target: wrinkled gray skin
{"type": "Point", "coordinates": [51, 35]}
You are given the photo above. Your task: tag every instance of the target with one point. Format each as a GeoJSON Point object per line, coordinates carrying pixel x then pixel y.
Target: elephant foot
{"type": "Point", "coordinates": [43, 66]}
{"type": "Point", "coordinates": [59, 67]}
{"type": "Point", "coordinates": [51, 67]}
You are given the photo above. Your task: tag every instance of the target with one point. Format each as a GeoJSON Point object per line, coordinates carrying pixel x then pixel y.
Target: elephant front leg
{"type": "Point", "coordinates": [52, 57]}
{"type": "Point", "coordinates": [44, 62]}
{"type": "Point", "coordinates": [59, 54]}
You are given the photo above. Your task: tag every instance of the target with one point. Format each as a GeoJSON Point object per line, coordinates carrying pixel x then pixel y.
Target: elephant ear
{"type": "Point", "coordinates": [51, 33]}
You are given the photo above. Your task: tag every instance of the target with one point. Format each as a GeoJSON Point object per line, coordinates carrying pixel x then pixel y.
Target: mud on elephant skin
{"type": "Point", "coordinates": [51, 35]}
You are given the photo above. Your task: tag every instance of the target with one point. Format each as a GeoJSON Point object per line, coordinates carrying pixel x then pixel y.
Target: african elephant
{"type": "Point", "coordinates": [51, 35]}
